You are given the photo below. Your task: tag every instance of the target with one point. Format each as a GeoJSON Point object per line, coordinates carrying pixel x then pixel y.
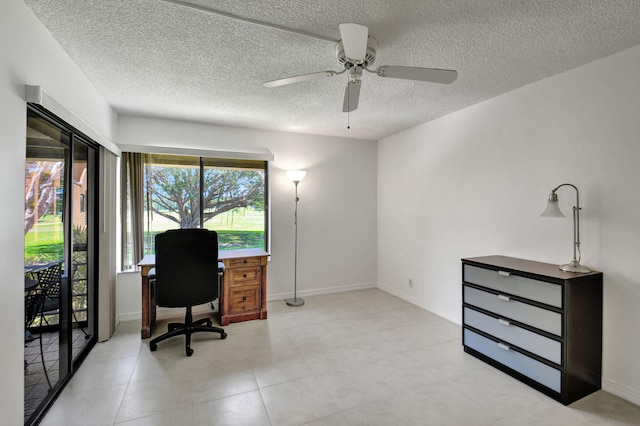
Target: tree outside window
{"type": "Point", "coordinates": [227, 196]}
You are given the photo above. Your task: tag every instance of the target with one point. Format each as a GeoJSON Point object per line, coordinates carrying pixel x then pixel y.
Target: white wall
{"type": "Point", "coordinates": [28, 55]}
{"type": "Point", "coordinates": [474, 182]}
{"type": "Point", "coordinates": [336, 212]}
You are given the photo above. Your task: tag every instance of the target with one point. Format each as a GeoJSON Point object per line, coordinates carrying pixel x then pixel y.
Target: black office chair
{"type": "Point", "coordinates": [186, 275]}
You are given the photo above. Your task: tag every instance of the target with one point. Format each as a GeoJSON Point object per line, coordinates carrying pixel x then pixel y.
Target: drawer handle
{"type": "Point", "coordinates": [245, 261]}
{"type": "Point", "coordinates": [503, 346]}
{"type": "Point", "coordinates": [244, 298]}
{"type": "Point", "coordinates": [504, 273]}
{"type": "Point", "coordinates": [504, 322]}
{"type": "Point", "coordinates": [503, 298]}
{"type": "Point", "coordinates": [244, 275]}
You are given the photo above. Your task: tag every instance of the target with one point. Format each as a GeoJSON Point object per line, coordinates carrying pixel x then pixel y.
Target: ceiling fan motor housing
{"type": "Point", "coordinates": [369, 57]}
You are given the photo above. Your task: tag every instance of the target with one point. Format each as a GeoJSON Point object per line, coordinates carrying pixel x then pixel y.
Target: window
{"type": "Point", "coordinates": [224, 195]}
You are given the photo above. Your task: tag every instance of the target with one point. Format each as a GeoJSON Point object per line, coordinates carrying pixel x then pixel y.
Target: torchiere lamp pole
{"type": "Point", "coordinates": [295, 176]}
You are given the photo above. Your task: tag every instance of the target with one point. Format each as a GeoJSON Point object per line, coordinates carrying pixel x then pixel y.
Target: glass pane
{"type": "Point", "coordinates": [80, 247]}
{"type": "Point", "coordinates": [172, 195]}
{"type": "Point", "coordinates": [234, 205]}
{"type": "Point", "coordinates": [47, 148]}
{"type": "Point", "coordinates": [232, 193]}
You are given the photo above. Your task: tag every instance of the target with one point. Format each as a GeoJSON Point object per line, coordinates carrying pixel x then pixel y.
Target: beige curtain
{"type": "Point", "coordinates": [107, 266]}
{"type": "Point", "coordinates": [132, 194]}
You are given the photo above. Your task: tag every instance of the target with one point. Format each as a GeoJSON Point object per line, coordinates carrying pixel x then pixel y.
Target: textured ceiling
{"type": "Point", "coordinates": [162, 59]}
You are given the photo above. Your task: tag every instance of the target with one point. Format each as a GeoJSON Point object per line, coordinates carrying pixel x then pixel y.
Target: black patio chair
{"type": "Point", "coordinates": [49, 279]}
{"type": "Point", "coordinates": [33, 302]}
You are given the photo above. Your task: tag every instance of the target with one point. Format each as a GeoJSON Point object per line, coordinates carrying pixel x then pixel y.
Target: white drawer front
{"type": "Point", "coordinates": [540, 291]}
{"type": "Point", "coordinates": [527, 314]}
{"type": "Point", "coordinates": [525, 339]}
{"type": "Point", "coordinates": [541, 373]}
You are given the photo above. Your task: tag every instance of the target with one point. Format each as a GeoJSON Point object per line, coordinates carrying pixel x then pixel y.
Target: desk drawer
{"type": "Point", "coordinates": [540, 291]}
{"type": "Point", "coordinates": [244, 299]}
{"type": "Point", "coordinates": [534, 316]}
{"type": "Point", "coordinates": [244, 276]}
{"type": "Point", "coordinates": [535, 343]}
{"type": "Point", "coordinates": [239, 263]}
{"type": "Point", "coordinates": [536, 370]}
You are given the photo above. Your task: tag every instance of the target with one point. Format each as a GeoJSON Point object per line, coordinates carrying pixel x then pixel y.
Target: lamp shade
{"type": "Point", "coordinates": [552, 209]}
{"type": "Point", "coordinates": [296, 175]}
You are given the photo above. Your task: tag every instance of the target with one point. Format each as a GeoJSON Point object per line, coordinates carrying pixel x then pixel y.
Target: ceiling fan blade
{"type": "Point", "coordinates": [432, 75]}
{"type": "Point", "coordinates": [354, 40]}
{"type": "Point", "coordinates": [351, 96]}
{"type": "Point", "coordinates": [299, 78]}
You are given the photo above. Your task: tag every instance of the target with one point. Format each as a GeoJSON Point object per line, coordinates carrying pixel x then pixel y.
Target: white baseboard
{"type": "Point", "coordinates": [164, 313]}
{"type": "Point", "coordinates": [130, 316]}
{"type": "Point", "coordinates": [318, 291]}
{"type": "Point", "coordinates": [623, 392]}
{"type": "Point", "coordinates": [401, 295]}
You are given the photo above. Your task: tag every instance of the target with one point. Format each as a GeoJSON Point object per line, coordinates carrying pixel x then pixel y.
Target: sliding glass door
{"type": "Point", "coordinates": [60, 264]}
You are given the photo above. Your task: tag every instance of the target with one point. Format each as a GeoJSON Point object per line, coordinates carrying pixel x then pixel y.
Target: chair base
{"type": "Point", "coordinates": [187, 329]}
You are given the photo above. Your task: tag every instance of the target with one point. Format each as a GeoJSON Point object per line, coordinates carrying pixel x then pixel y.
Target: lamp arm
{"type": "Point", "coordinates": [574, 187]}
{"type": "Point", "coordinates": [576, 220]}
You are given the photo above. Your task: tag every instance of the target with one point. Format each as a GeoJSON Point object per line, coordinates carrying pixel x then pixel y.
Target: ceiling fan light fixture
{"type": "Point", "coordinates": [369, 57]}
{"type": "Point", "coordinates": [354, 40]}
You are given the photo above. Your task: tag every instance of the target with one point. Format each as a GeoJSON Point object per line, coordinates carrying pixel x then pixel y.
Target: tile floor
{"type": "Point", "coordinates": [356, 358]}
{"type": "Point", "coordinates": [36, 387]}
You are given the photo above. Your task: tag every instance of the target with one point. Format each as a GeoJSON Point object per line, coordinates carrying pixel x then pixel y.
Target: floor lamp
{"type": "Point", "coordinates": [295, 176]}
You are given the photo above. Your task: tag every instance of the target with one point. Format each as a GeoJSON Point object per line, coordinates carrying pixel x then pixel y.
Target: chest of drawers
{"type": "Point", "coordinates": [535, 322]}
{"type": "Point", "coordinates": [244, 287]}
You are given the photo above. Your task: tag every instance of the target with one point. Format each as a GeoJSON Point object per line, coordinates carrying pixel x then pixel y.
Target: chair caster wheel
{"type": "Point", "coordinates": [153, 347]}
{"type": "Point", "coordinates": [189, 351]}
{"type": "Point", "coordinates": [223, 336]}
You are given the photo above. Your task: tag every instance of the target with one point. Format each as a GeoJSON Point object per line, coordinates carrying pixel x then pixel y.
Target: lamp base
{"type": "Point", "coordinates": [295, 301]}
{"type": "Point", "coordinates": [575, 266]}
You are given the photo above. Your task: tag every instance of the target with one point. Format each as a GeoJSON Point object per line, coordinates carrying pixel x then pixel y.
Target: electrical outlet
{"type": "Point", "coordinates": [410, 282]}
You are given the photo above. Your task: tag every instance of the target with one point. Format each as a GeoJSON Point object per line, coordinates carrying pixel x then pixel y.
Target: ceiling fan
{"type": "Point", "coordinates": [357, 52]}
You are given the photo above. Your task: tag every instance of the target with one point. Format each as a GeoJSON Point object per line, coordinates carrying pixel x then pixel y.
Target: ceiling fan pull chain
{"type": "Point", "coordinates": [348, 103]}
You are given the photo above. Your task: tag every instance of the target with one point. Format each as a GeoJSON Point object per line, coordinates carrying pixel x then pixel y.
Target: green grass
{"type": "Point", "coordinates": [236, 230]}
{"type": "Point", "coordinates": [44, 242]}
{"type": "Point", "coordinates": [42, 253]}
{"type": "Point", "coordinates": [234, 240]}
{"type": "Point", "coordinates": [240, 230]}
{"type": "Point", "coordinates": [242, 220]}
{"type": "Point", "coordinates": [227, 240]}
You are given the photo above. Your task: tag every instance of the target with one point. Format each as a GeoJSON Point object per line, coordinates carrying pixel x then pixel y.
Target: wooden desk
{"type": "Point", "coordinates": [243, 295]}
